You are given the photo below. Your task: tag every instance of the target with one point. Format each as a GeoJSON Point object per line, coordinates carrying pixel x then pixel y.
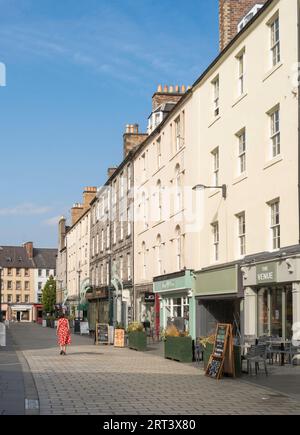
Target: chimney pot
{"type": "Point", "coordinates": [177, 88]}
{"type": "Point", "coordinates": [159, 88]}
{"type": "Point", "coordinates": [183, 89]}
{"type": "Point", "coordinates": [166, 89]}
{"type": "Point", "coordinates": [171, 89]}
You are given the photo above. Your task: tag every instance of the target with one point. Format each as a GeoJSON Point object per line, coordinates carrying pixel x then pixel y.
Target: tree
{"type": "Point", "coordinates": [49, 295]}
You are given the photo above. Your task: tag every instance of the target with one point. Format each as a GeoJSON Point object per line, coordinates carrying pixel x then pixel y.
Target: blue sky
{"type": "Point", "coordinates": [78, 71]}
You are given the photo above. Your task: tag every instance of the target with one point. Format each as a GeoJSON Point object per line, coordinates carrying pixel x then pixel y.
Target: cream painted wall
{"type": "Point", "coordinates": [265, 180]}
{"type": "Point", "coordinates": [78, 253]}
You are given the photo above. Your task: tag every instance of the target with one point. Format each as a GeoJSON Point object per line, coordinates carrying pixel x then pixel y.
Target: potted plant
{"type": "Point", "coordinates": [178, 345]}
{"type": "Point", "coordinates": [137, 338]}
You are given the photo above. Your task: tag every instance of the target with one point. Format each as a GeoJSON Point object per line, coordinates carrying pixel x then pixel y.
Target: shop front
{"type": "Point", "coordinates": [38, 313]}
{"type": "Point", "coordinates": [98, 307]}
{"type": "Point", "coordinates": [22, 313]}
{"type": "Point", "coordinates": [272, 296]}
{"type": "Point", "coordinates": [219, 299]}
{"type": "Point", "coordinates": [176, 300]}
{"type": "Point", "coordinates": [145, 306]}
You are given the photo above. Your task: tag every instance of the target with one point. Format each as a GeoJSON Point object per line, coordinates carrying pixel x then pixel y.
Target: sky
{"type": "Point", "coordinates": [78, 71]}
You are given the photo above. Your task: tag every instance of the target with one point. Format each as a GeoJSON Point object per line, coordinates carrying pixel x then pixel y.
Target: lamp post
{"type": "Point", "coordinates": [78, 307]}
{"type": "Point", "coordinates": [203, 186]}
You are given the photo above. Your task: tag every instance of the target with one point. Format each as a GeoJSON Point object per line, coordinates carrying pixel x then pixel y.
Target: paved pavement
{"type": "Point", "coordinates": [109, 381]}
{"type": "Point", "coordinates": [12, 389]}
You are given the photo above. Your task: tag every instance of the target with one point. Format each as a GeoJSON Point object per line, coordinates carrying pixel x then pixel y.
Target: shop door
{"type": "Point", "coordinates": [216, 311]}
{"type": "Point", "coordinates": [18, 316]}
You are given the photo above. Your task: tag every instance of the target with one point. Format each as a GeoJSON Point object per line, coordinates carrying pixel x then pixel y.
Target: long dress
{"type": "Point", "coordinates": [63, 332]}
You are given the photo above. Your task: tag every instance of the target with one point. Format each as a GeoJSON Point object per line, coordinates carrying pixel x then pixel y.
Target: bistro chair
{"type": "Point", "coordinates": [257, 354]}
{"type": "Point", "coordinates": [198, 350]}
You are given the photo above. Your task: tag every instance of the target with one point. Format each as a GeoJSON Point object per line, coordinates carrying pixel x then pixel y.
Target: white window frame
{"type": "Point", "coordinates": [122, 226]}
{"type": "Point", "coordinates": [114, 233]}
{"type": "Point", "coordinates": [275, 132]}
{"type": "Point", "coordinates": [107, 274]}
{"type": "Point", "coordinates": [275, 223]}
{"type": "Point", "coordinates": [178, 241]}
{"type": "Point", "coordinates": [121, 181]}
{"type": "Point", "coordinates": [275, 41]}
{"type": "Point", "coordinates": [102, 240]}
{"type": "Point", "coordinates": [177, 124]}
{"type": "Point", "coordinates": [129, 221]}
{"type": "Point", "coordinates": [241, 73]}
{"type": "Point", "coordinates": [216, 96]}
{"type": "Point", "coordinates": [242, 150]}
{"type": "Point", "coordinates": [241, 221]}
{"type": "Point", "coordinates": [216, 165]}
{"type": "Point", "coordinates": [216, 240]}
{"type": "Point", "coordinates": [129, 177]}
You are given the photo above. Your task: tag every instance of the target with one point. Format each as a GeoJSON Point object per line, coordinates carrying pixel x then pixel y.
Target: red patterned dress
{"type": "Point", "coordinates": [63, 332]}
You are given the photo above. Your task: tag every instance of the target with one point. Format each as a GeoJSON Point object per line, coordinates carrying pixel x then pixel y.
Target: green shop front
{"type": "Point", "coordinates": [219, 299]}
{"type": "Point", "coordinates": [272, 293]}
{"type": "Point", "coordinates": [177, 302]}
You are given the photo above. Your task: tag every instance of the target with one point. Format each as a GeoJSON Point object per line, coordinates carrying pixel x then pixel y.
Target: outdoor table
{"type": "Point", "coordinates": [280, 343]}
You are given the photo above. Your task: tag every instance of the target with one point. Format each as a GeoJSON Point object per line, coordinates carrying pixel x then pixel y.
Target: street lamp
{"type": "Point", "coordinates": [203, 186]}
{"type": "Point", "coordinates": [78, 308]}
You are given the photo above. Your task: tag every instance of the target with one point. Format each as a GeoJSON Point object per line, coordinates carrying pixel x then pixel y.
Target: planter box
{"type": "Point", "coordinates": [237, 358]}
{"type": "Point", "coordinates": [137, 340]}
{"type": "Point", "coordinates": [179, 349]}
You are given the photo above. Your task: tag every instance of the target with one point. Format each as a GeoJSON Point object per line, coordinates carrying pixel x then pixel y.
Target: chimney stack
{"type": "Point", "coordinates": [132, 138]}
{"type": "Point", "coordinates": [76, 212]}
{"type": "Point", "coordinates": [29, 249]}
{"type": "Point", "coordinates": [169, 94]}
{"type": "Point", "coordinates": [231, 12]}
{"type": "Point", "coordinates": [62, 233]}
{"type": "Point", "coordinates": [111, 171]}
{"type": "Point", "coordinates": [89, 194]}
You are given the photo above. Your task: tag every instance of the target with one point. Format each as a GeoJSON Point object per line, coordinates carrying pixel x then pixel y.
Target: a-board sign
{"type": "Point", "coordinates": [102, 333]}
{"type": "Point", "coordinates": [84, 328]}
{"type": "Point", "coordinates": [222, 356]}
{"type": "Point", "coordinates": [119, 340]}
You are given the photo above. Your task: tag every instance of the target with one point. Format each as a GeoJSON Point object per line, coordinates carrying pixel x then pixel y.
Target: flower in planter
{"type": "Point", "coordinates": [204, 341]}
{"type": "Point", "coordinates": [135, 327]}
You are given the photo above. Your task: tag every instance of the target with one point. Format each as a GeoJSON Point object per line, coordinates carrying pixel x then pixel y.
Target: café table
{"type": "Point", "coordinates": [282, 343]}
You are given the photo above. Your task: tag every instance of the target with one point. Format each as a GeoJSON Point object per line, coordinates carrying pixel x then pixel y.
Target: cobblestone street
{"type": "Point", "coordinates": [110, 381]}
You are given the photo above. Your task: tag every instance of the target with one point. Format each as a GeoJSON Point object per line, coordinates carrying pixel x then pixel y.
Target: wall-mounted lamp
{"type": "Point", "coordinates": [203, 186]}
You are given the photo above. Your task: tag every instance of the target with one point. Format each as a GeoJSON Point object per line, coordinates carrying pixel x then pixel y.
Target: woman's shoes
{"type": "Point", "coordinates": [61, 352]}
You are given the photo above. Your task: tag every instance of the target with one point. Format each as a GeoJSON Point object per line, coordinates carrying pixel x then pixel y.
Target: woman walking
{"type": "Point", "coordinates": [63, 333]}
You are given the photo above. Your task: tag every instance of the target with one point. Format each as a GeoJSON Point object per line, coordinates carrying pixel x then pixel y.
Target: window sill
{"type": "Point", "coordinates": [214, 121]}
{"type": "Point", "coordinates": [158, 170]}
{"type": "Point", "coordinates": [273, 162]}
{"type": "Point", "coordinates": [158, 223]}
{"type": "Point", "coordinates": [269, 73]}
{"type": "Point", "coordinates": [177, 153]}
{"type": "Point", "coordinates": [240, 98]}
{"type": "Point", "coordinates": [176, 213]}
{"type": "Point", "coordinates": [239, 179]}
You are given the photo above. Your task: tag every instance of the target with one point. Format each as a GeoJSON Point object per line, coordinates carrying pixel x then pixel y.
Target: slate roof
{"type": "Point", "coordinates": [17, 257]}
{"type": "Point", "coordinates": [45, 258]}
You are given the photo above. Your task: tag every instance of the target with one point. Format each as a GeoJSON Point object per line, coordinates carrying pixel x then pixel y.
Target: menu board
{"type": "Point", "coordinates": [222, 353]}
{"type": "Point", "coordinates": [119, 340]}
{"type": "Point", "coordinates": [102, 333]}
{"type": "Point", "coordinates": [84, 328]}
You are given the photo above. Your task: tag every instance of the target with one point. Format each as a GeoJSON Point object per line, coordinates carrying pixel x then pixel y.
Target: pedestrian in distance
{"type": "Point", "coordinates": [63, 333]}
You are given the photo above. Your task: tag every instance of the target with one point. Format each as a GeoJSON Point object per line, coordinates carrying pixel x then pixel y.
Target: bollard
{"type": "Point", "coordinates": [2, 335]}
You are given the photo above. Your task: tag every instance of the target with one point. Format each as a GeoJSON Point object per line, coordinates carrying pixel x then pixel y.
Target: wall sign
{"type": "Point", "coordinates": [266, 273]}
{"type": "Point", "coordinates": [102, 336]}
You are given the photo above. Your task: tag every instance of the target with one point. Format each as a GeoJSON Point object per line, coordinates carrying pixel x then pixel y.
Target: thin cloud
{"type": "Point", "coordinates": [52, 222]}
{"type": "Point", "coordinates": [27, 209]}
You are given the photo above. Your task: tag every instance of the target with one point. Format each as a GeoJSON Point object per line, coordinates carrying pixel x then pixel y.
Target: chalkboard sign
{"type": "Point", "coordinates": [222, 353]}
{"type": "Point", "coordinates": [119, 340]}
{"type": "Point", "coordinates": [102, 333]}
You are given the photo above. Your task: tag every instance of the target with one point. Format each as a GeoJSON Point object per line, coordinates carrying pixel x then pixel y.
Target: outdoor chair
{"type": "Point", "coordinates": [257, 354]}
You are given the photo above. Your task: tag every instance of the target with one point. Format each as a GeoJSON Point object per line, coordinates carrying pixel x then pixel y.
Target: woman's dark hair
{"type": "Point", "coordinates": [61, 315]}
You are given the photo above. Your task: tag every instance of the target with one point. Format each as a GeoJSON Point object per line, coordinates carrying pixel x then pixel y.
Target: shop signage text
{"type": "Point", "coordinates": [266, 273]}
